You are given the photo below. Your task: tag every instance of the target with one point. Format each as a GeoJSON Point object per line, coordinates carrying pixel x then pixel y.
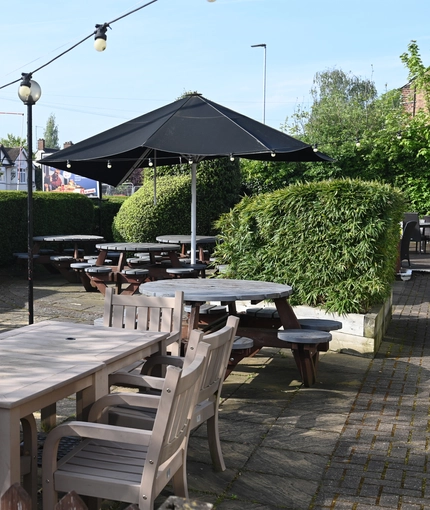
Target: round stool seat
{"type": "Point", "coordinates": [81, 265]}
{"type": "Point", "coordinates": [98, 269]}
{"type": "Point", "coordinates": [304, 336]}
{"type": "Point", "coordinates": [61, 258]}
{"type": "Point", "coordinates": [197, 266]}
{"type": "Point", "coordinates": [135, 272]}
{"type": "Point", "coordinates": [24, 255]}
{"type": "Point", "coordinates": [180, 270]}
{"type": "Point", "coordinates": [242, 342]}
{"type": "Point", "coordinates": [90, 257]}
{"type": "Point", "coordinates": [320, 324]}
{"type": "Point", "coordinates": [137, 261]}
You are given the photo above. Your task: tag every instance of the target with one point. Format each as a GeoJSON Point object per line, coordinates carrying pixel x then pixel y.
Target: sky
{"type": "Point", "coordinates": [159, 52]}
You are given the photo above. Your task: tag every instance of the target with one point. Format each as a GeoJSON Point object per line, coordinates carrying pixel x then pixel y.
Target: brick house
{"type": "Point", "coordinates": [412, 100]}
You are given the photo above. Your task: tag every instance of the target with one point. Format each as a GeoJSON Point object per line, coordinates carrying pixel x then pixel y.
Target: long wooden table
{"type": "Point", "coordinates": [45, 362]}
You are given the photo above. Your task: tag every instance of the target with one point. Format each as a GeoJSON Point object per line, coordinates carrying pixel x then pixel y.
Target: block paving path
{"type": "Point", "coordinates": [358, 439]}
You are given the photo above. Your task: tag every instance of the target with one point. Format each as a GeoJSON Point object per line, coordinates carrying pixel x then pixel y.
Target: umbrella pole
{"type": "Point", "coordinates": [193, 211]}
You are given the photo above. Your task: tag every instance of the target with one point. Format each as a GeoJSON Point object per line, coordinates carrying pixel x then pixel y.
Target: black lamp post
{"type": "Point", "coordinates": [29, 92]}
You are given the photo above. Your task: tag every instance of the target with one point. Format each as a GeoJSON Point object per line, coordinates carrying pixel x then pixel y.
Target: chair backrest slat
{"type": "Point", "coordinates": [146, 313]}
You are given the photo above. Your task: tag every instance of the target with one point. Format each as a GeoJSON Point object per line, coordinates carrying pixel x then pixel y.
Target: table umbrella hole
{"type": "Point", "coordinates": [70, 338]}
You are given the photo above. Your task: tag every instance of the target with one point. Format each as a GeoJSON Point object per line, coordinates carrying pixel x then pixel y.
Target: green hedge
{"type": "Point", "coordinates": [53, 213]}
{"type": "Point", "coordinates": [105, 213]}
{"type": "Point", "coordinates": [335, 242]}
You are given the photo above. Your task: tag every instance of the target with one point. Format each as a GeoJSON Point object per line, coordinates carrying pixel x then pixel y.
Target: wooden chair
{"type": "Point", "coordinates": [206, 410]}
{"type": "Point", "coordinates": [147, 313]}
{"type": "Point", "coordinates": [125, 464]}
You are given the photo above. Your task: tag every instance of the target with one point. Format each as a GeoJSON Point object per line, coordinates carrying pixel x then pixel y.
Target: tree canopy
{"type": "Point", "coordinates": [51, 133]}
{"type": "Point", "coordinates": [371, 136]}
{"type": "Point", "coordinates": [13, 141]}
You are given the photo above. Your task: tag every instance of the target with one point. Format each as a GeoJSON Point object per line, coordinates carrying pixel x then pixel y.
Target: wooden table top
{"type": "Point", "coordinates": [217, 289]}
{"type": "Point", "coordinates": [143, 247]}
{"type": "Point", "coordinates": [75, 238]}
{"type": "Point", "coordinates": [46, 354]}
{"type": "Point", "coordinates": [185, 239]}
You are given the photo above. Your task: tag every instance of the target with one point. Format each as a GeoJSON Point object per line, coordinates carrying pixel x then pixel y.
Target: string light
{"type": "Point", "coordinates": [231, 155]}
{"type": "Point", "coordinates": [150, 163]}
{"type": "Point", "coordinates": [315, 147]}
{"type": "Point", "coordinates": [357, 142]}
{"type": "Point", "coordinates": [109, 164]}
{"type": "Point", "coordinates": [68, 164]}
{"type": "Point", "coordinates": [273, 154]}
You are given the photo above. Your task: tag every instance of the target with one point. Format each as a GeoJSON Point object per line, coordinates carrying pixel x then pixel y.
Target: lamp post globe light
{"type": "Point", "coordinates": [29, 92]}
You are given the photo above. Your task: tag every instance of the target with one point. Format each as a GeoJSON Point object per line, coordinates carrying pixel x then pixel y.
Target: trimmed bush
{"type": "Point", "coordinates": [139, 220]}
{"type": "Point", "coordinates": [104, 213]}
{"type": "Point", "coordinates": [335, 242]}
{"type": "Point", "coordinates": [53, 213]}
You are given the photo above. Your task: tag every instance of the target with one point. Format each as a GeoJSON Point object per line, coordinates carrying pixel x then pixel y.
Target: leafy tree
{"type": "Point", "coordinates": [51, 133]}
{"type": "Point", "coordinates": [13, 141]}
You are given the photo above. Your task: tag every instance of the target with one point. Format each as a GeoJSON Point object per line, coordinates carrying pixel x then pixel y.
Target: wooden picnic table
{"type": "Point", "coordinates": [185, 240]}
{"type": "Point", "coordinates": [199, 291]}
{"type": "Point", "coordinates": [263, 331]}
{"type": "Point", "coordinates": [120, 274]}
{"type": "Point", "coordinates": [45, 362]}
{"type": "Point", "coordinates": [63, 265]}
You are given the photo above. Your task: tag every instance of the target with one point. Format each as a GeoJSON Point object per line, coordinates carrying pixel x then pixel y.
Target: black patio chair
{"type": "Point", "coordinates": [406, 240]}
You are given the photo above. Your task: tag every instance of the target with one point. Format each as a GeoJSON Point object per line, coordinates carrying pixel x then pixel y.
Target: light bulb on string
{"type": "Point", "coordinates": [109, 164]}
{"type": "Point", "coordinates": [68, 164]}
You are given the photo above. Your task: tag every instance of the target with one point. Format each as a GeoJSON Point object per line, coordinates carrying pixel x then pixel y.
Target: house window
{"type": "Point", "coordinates": [22, 175]}
{"type": "Point", "coordinates": [2, 174]}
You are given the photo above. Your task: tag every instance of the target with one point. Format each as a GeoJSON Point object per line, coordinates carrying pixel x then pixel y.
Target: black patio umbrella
{"type": "Point", "coordinates": [188, 130]}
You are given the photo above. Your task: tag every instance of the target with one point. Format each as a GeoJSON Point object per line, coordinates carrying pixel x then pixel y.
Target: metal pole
{"type": "Point", "coordinates": [264, 86]}
{"type": "Point", "coordinates": [30, 211]}
{"type": "Point", "coordinates": [264, 78]}
{"type": "Point", "coordinates": [193, 211]}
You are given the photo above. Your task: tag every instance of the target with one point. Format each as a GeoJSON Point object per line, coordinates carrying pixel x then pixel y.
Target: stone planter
{"type": "Point", "coordinates": [361, 334]}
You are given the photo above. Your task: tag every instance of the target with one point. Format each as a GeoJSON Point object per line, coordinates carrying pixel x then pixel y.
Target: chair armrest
{"type": "Point", "coordinates": [153, 361]}
{"type": "Point", "coordinates": [101, 406]}
{"type": "Point", "coordinates": [88, 430]}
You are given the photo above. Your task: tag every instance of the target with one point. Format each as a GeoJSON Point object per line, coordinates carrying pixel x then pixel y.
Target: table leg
{"type": "Point", "coordinates": [193, 321]}
{"type": "Point", "coordinates": [306, 357]}
{"type": "Point", "coordinates": [10, 464]}
{"type": "Point", "coordinates": [48, 416]}
{"type": "Point", "coordinates": [86, 397]}
{"type": "Point", "coordinates": [286, 314]}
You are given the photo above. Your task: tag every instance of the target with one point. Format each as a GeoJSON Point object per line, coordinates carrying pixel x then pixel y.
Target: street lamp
{"type": "Point", "coordinates": [29, 92]}
{"type": "Point", "coordinates": [264, 78]}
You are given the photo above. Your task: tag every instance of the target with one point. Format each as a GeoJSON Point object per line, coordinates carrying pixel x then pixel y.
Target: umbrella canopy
{"type": "Point", "coordinates": [192, 128]}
